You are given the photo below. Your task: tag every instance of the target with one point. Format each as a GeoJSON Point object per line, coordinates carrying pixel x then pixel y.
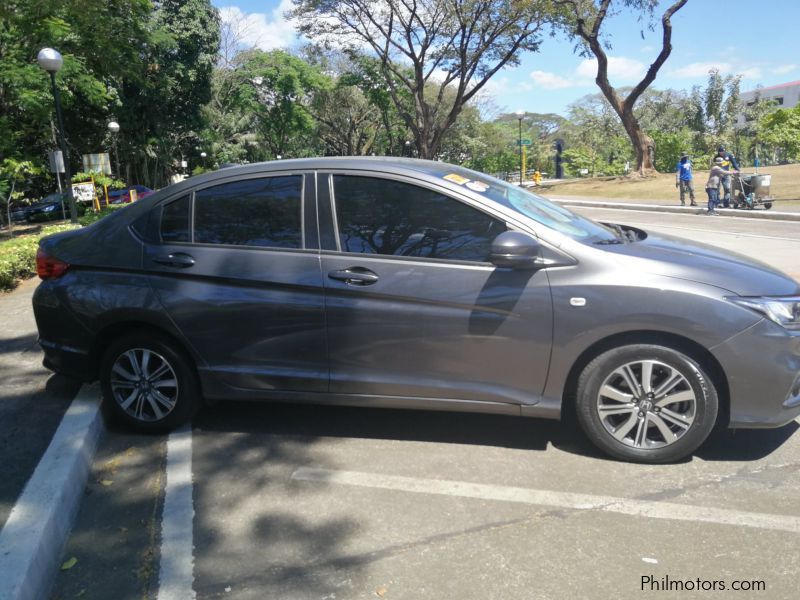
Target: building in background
{"type": "Point", "coordinates": [785, 95]}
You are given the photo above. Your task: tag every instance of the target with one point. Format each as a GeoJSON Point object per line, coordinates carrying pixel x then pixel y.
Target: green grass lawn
{"type": "Point", "coordinates": [661, 187]}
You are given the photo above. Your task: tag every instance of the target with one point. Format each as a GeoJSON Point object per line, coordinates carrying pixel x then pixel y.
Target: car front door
{"type": "Point", "coordinates": [237, 269]}
{"type": "Point", "coordinates": [414, 308]}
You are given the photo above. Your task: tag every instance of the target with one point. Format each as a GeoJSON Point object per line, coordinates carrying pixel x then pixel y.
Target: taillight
{"type": "Point", "coordinates": [49, 267]}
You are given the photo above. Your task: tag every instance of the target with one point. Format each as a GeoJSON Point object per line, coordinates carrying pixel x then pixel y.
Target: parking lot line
{"type": "Point", "coordinates": [626, 506]}
{"type": "Point", "coordinates": [34, 535]}
{"type": "Point", "coordinates": [176, 569]}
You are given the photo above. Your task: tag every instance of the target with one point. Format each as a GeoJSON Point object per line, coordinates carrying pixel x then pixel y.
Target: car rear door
{"type": "Point", "coordinates": [237, 269]}
{"type": "Point", "coordinates": [414, 308]}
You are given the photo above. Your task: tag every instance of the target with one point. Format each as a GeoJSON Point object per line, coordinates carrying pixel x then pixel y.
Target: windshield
{"type": "Point", "coordinates": [532, 206]}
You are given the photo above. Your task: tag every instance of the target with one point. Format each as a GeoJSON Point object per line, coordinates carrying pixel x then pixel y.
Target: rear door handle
{"type": "Point", "coordinates": [177, 259]}
{"type": "Point", "coordinates": [354, 276]}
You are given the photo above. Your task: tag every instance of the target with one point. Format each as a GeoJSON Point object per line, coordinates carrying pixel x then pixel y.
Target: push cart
{"type": "Point", "coordinates": [751, 190]}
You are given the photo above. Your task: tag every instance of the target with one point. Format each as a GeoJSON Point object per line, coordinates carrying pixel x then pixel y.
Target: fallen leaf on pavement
{"type": "Point", "coordinates": [69, 564]}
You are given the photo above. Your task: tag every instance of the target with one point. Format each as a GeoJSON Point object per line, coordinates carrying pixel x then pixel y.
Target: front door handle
{"type": "Point", "coordinates": [354, 276]}
{"type": "Point", "coordinates": [177, 259]}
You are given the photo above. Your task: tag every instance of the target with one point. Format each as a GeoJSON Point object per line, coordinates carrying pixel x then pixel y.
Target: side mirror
{"type": "Point", "coordinates": [515, 250]}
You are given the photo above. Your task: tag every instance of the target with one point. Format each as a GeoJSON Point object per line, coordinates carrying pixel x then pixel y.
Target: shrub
{"type": "Point", "coordinates": [18, 255]}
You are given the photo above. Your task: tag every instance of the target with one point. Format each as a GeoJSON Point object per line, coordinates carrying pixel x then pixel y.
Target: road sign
{"type": "Point", "coordinates": [524, 142]}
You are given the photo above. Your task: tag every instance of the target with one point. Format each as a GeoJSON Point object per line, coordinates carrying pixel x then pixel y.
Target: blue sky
{"type": "Point", "coordinates": [758, 40]}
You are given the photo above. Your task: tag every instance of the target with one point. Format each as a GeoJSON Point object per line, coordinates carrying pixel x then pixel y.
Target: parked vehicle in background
{"type": "Point", "coordinates": [124, 196]}
{"type": "Point", "coordinates": [405, 283]}
{"type": "Point", "coordinates": [19, 212]}
{"type": "Point", "coordinates": [50, 209]}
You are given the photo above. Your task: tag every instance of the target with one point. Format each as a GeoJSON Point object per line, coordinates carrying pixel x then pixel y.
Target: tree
{"type": "Point", "coordinates": [586, 19]}
{"type": "Point", "coordinates": [425, 47]}
{"type": "Point", "coordinates": [782, 129]}
{"type": "Point", "coordinates": [276, 89]}
{"type": "Point", "coordinates": [12, 173]}
{"type": "Point", "coordinates": [161, 103]}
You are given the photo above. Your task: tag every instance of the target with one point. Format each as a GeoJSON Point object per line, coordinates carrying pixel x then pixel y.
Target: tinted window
{"type": "Point", "coordinates": [175, 220]}
{"type": "Point", "coordinates": [378, 216]}
{"type": "Point", "coordinates": [250, 212]}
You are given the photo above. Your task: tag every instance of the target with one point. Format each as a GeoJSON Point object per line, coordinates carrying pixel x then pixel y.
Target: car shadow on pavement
{"type": "Point", "coordinates": [745, 444]}
{"type": "Point", "coordinates": [460, 428]}
{"type": "Point", "coordinates": [388, 424]}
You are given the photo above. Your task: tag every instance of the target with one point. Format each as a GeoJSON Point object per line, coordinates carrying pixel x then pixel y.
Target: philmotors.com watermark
{"type": "Point", "coordinates": [665, 583]}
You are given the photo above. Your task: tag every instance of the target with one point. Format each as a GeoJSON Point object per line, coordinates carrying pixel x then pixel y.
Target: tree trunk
{"type": "Point", "coordinates": [642, 143]}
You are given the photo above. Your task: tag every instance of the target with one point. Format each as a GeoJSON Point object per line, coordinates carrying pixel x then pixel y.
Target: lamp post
{"type": "Point", "coordinates": [203, 156]}
{"type": "Point", "coordinates": [520, 114]}
{"type": "Point", "coordinates": [113, 127]}
{"type": "Point", "coordinates": [51, 61]}
{"type": "Point", "coordinates": [407, 151]}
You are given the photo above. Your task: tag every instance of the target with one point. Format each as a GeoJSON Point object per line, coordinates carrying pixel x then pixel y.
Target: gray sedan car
{"type": "Point", "coordinates": [415, 284]}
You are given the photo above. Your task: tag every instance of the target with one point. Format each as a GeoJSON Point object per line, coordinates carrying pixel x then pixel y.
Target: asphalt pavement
{"type": "Point", "coordinates": [32, 398]}
{"type": "Point", "coordinates": [297, 502]}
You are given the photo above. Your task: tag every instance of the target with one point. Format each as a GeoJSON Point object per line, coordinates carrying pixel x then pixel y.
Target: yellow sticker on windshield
{"type": "Point", "coordinates": [456, 178]}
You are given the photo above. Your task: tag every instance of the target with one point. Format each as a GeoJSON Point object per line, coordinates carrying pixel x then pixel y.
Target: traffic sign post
{"type": "Point", "coordinates": [524, 142]}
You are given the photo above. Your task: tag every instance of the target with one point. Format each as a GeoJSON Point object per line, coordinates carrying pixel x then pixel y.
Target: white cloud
{"type": "Point", "coordinates": [619, 69]}
{"type": "Point", "coordinates": [783, 69]}
{"type": "Point", "coordinates": [750, 73]}
{"type": "Point", "coordinates": [551, 81]}
{"type": "Point", "coordinates": [264, 31]}
{"type": "Point", "coordinates": [700, 69]}
{"type": "Point", "coordinates": [646, 49]}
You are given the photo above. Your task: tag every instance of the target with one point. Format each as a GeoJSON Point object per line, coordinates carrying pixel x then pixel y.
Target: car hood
{"type": "Point", "coordinates": [693, 261]}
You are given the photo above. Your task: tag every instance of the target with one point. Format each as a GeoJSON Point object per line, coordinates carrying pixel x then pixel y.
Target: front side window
{"type": "Point", "coordinates": [379, 216]}
{"type": "Point", "coordinates": [251, 212]}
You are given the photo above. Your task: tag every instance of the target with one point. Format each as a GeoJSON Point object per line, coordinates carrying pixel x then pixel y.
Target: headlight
{"type": "Point", "coordinates": [50, 208]}
{"type": "Point", "coordinates": [784, 311]}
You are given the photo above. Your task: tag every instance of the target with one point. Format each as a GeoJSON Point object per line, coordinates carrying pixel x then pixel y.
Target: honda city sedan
{"type": "Point", "coordinates": [403, 283]}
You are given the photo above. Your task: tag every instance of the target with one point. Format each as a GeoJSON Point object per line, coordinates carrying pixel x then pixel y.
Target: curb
{"type": "Point", "coordinates": [33, 538]}
{"type": "Point", "coordinates": [769, 215]}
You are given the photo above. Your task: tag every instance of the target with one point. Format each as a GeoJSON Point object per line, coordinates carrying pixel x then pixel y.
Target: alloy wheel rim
{"type": "Point", "coordinates": [646, 404]}
{"type": "Point", "coordinates": [144, 384]}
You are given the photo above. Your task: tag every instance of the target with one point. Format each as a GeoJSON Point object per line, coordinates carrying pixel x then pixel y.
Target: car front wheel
{"type": "Point", "coordinates": [646, 403]}
{"type": "Point", "coordinates": [149, 383]}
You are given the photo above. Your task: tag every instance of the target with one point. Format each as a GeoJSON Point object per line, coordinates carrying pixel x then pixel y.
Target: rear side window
{"type": "Point", "coordinates": [380, 216]}
{"type": "Point", "coordinates": [175, 218]}
{"type": "Point", "coordinates": [251, 212]}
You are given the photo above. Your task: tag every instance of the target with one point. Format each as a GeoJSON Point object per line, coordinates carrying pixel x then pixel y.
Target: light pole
{"type": "Point", "coordinates": [203, 156]}
{"type": "Point", "coordinates": [51, 61]}
{"type": "Point", "coordinates": [113, 127]}
{"type": "Point", "coordinates": [408, 149]}
{"type": "Point", "coordinates": [520, 114]}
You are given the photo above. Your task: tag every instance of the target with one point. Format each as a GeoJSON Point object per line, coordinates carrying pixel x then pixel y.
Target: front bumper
{"type": "Point", "coordinates": [762, 364]}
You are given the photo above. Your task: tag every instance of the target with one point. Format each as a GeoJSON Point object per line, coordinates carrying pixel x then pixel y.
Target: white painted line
{"type": "Point", "coordinates": [641, 508]}
{"type": "Point", "coordinates": [34, 535]}
{"type": "Point", "coordinates": [176, 570]}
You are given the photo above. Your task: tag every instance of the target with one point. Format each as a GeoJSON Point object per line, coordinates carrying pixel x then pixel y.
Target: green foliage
{"type": "Point", "coordinates": [782, 129]}
{"type": "Point", "coordinates": [18, 255]}
{"type": "Point", "coordinates": [92, 216]}
{"type": "Point", "coordinates": [670, 146]}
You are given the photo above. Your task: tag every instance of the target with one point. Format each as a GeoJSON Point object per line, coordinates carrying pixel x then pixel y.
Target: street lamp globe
{"type": "Point", "coordinates": [520, 113]}
{"type": "Point", "coordinates": [113, 127]}
{"type": "Point", "coordinates": [50, 60]}
{"type": "Point", "coordinates": [203, 155]}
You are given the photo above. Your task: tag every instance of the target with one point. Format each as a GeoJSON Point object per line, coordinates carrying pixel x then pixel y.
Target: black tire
{"type": "Point", "coordinates": [696, 417]}
{"type": "Point", "coordinates": [767, 205]}
{"type": "Point", "coordinates": [184, 395]}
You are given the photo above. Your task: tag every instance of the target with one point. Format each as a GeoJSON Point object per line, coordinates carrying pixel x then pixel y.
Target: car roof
{"type": "Point", "coordinates": [429, 169]}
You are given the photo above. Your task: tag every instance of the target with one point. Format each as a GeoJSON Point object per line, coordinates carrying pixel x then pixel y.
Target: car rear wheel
{"type": "Point", "coordinates": [646, 403]}
{"type": "Point", "coordinates": [149, 383]}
